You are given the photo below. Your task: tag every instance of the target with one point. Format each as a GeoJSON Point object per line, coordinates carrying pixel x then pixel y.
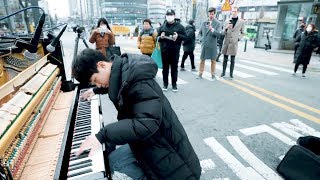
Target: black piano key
{"type": "Point", "coordinates": [81, 129]}
{"type": "Point", "coordinates": [83, 155]}
{"type": "Point", "coordinates": [76, 146]}
{"type": "Point", "coordinates": [80, 166]}
{"type": "Point", "coordinates": [80, 162]}
{"type": "Point", "coordinates": [70, 174]}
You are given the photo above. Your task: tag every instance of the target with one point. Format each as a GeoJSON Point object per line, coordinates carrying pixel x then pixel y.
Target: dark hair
{"type": "Point", "coordinates": [191, 21]}
{"type": "Point", "coordinates": [148, 21]}
{"type": "Point", "coordinates": [104, 22]}
{"type": "Point", "coordinates": [85, 64]}
{"type": "Point", "coordinates": [212, 9]}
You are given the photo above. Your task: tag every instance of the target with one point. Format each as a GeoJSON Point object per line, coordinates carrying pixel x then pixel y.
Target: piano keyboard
{"type": "Point", "coordinates": [86, 123]}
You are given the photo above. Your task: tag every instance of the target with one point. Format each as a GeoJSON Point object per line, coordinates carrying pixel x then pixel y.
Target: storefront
{"type": "Point", "coordinates": [290, 14]}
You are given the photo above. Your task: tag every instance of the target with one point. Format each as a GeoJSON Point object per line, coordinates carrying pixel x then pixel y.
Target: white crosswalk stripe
{"type": "Point", "coordinates": [267, 66]}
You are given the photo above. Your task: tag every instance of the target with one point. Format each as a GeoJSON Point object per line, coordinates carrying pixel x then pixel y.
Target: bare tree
{"type": "Point", "coordinates": [26, 18]}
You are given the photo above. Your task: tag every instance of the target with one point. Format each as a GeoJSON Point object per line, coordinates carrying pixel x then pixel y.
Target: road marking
{"type": "Point", "coordinates": [279, 97]}
{"type": "Point", "coordinates": [267, 66]}
{"type": "Point", "coordinates": [271, 101]}
{"type": "Point", "coordinates": [305, 128]}
{"type": "Point", "coordinates": [266, 129]}
{"type": "Point", "coordinates": [207, 164]}
{"type": "Point", "coordinates": [248, 156]}
{"type": "Point", "coordinates": [179, 81]}
{"type": "Point", "coordinates": [285, 127]}
{"type": "Point", "coordinates": [239, 169]}
{"type": "Point", "coordinates": [235, 72]}
{"type": "Point", "coordinates": [256, 69]}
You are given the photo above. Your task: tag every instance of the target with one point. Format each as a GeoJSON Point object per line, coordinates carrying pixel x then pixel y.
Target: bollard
{"type": "Point", "coordinates": [245, 45]}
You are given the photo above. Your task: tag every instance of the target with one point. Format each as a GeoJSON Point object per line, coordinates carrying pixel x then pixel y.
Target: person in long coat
{"type": "Point", "coordinates": [209, 31]}
{"type": "Point", "coordinates": [307, 41]}
{"type": "Point", "coordinates": [189, 45]}
{"type": "Point", "coordinates": [233, 31]}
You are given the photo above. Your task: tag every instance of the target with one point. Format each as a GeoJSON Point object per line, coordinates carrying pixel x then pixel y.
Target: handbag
{"type": "Point", "coordinates": [113, 50]}
{"type": "Point", "coordinates": [156, 55]}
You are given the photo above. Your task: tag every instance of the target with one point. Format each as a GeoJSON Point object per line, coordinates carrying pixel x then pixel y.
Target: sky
{"type": "Point", "coordinates": [59, 7]}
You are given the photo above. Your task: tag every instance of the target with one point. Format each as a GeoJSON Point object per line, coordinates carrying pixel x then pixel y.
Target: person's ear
{"type": "Point", "coordinates": [100, 64]}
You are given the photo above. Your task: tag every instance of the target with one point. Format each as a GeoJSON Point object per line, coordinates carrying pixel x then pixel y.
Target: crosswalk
{"type": "Point", "coordinates": [243, 68]}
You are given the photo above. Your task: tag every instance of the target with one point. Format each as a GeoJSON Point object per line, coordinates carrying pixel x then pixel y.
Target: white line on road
{"type": "Point", "coordinates": [207, 164]}
{"type": "Point", "coordinates": [267, 129]}
{"type": "Point", "coordinates": [267, 66]}
{"type": "Point", "coordinates": [257, 69]}
{"type": "Point", "coordinates": [287, 128]}
{"type": "Point", "coordinates": [238, 168]}
{"type": "Point", "coordinates": [248, 156]}
{"type": "Point", "coordinates": [305, 128]}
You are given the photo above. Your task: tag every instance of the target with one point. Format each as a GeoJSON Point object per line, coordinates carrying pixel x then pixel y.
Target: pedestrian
{"type": "Point", "coordinates": [307, 41]}
{"type": "Point", "coordinates": [209, 31]}
{"type": "Point", "coordinates": [220, 43]}
{"type": "Point", "coordinates": [189, 45]}
{"type": "Point", "coordinates": [297, 34]}
{"type": "Point", "coordinates": [233, 31]}
{"type": "Point", "coordinates": [154, 142]}
{"type": "Point", "coordinates": [102, 36]}
{"type": "Point", "coordinates": [147, 38]}
{"type": "Point", "coordinates": [171, 33]}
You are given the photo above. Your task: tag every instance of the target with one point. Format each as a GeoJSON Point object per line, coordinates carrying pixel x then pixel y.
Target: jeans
{"type": "Point", "coordinates": [123, 161]}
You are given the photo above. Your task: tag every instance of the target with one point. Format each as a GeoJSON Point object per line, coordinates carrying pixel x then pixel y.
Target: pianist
{"type": "Point", "coordinates": [159, 146]}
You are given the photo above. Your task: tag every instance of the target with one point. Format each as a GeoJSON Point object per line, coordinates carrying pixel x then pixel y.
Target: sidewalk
{"type": "Point", "coordinates": [277, 57]}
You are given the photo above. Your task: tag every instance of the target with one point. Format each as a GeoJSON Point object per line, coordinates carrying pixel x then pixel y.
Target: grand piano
{"type": "Point", "coordinates": [42, 119]}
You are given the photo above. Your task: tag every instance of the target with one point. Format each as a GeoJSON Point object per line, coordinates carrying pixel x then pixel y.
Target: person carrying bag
{"type": "Point", "coordinates": [156, 55]}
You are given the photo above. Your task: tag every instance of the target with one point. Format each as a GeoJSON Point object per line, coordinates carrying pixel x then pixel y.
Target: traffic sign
{"type": "Point", "coordinates": [226, 6]}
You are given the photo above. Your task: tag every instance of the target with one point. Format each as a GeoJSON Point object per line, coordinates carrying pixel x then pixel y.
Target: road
{"type": "Point", "coordinates": [239, 128]}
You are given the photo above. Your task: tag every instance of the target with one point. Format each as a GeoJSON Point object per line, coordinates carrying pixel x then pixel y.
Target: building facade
{"type": "Point", "coordinates": [125, 12]}
{"type": "Point", "coordinates": [290, 14]}
{"type": "Point", "coordinates": [156, 10]}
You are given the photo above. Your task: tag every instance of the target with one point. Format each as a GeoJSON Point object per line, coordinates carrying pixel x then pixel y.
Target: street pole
{"type": "Point", "coordinates": [81, 13]}
{"type": "Point", "coordinates": [194, 9]}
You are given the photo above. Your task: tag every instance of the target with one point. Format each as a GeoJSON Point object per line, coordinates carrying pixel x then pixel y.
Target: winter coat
{"type": "Point", "coordinates": [147, 122]}
{"type": "Point", "coordinates": [190, 44]}
{"type": "Point", "coordinates": [209, 39]}
{"type": "Point", "coordinates": [232, 37]}
{"type": "Point", "coordinates": [147, 40]}
{"type": "Point", "coordinates": [102, 42]}
{"type": "Point", "coordinates": [169, 29]}
{"type": "Point", "coordinates": [306, 43]}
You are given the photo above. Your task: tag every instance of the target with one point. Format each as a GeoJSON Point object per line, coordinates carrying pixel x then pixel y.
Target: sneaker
{"type": "Point", "coordinates": [231, 77]}
{"type": "Point", "coordinates": [293, 74]}
{"type": "Point", "coordinates": [222, 75]}
{"type": "Point", "coordinates": [182, 69]}
{"type": "Point", "coordinates": [199, 76]}
{"type": "Point", "coordinates": [165, 88]}
{"type": "Point", "coordinates": [303, 76]}
{"type": "Point", "coordinates": [174, 88]}
{"type": "Point", "coordinates": [194, 70]}
{"type": "Point", "coordinates": [213, 77]}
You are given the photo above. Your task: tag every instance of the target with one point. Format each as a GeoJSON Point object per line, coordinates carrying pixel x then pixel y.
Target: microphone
{"type": "Point", "coordinates": [31, 53]}
{"type": "Point", "coordinates": [52, 46]}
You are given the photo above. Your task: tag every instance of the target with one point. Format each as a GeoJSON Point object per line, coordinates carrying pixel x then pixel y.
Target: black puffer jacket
{"type": "Point", "coordinates": [306, 43]}
{"type": "Point", "coordinates": [190, 44]}
{"type": "Point", "coordinates": [169, 29]}
{"type": "Point", "coordinates": [147, 121]}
